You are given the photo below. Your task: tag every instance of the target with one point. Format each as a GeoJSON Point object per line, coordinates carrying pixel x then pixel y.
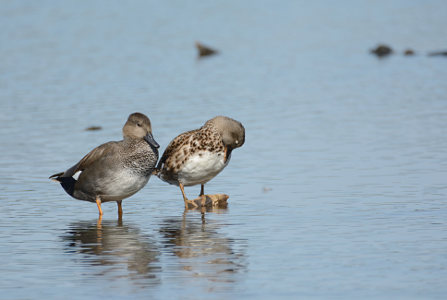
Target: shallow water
{"type": "Point", "coordinates": [339, 191]}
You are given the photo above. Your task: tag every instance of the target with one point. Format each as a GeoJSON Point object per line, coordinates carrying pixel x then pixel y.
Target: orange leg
{"type": "Point", "coordinates": [120, 209]}
{"type": "Point", "coordinates": [184, 197]}
{"type": "Point", "coordinates": [183, 192]}
{"type": "Point", "coordinates": [98, 203]}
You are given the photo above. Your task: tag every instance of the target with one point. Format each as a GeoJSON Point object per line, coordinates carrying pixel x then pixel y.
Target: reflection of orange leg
{"type": "Point", "coordinates": [98, 223]}
{"type": "Point", "coordinates": [98, 203]}
{"type": "Point", "coordinates": [120, 209]}
{"type": "Point", "coordinates": [186, 199]}
{"type": "Point", "coordinates": [99, 232]}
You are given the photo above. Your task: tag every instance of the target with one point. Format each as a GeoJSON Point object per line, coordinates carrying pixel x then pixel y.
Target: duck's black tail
{"type": "Point", "coordinates": [67, 183]}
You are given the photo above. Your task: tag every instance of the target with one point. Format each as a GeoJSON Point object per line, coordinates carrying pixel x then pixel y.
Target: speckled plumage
{"type": "Point", "coordinates": [197, 156]}
{"type": "Point", "coordinates": [183, 147]}
{"type": "Point", "coordinates": [114, 170]}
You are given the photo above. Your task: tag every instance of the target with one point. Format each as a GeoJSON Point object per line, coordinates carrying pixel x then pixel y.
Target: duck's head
{"type": "Point", "coordinates": [138, 126]}
{"type": "Point", "coordinates": [232, 131]}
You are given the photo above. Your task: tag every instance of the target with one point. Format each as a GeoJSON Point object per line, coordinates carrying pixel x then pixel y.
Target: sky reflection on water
{"type": "Point", "coordinates": [338, 192]}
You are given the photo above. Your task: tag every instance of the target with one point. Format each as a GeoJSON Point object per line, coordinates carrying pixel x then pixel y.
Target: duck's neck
{"type": "Point", "coordinates": [128, 140]}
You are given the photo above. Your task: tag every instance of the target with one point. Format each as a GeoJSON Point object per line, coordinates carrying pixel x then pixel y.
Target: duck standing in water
{"type": "Point", "coordinates": [114, 170]}
{"type": "Point", "coordinates": [197, 156]}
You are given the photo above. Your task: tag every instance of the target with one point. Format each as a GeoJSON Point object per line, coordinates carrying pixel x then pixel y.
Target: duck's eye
{"type": "Point", "coordinates": [139, 124]}
{"type": "Point", "coordinates": [237, 142]}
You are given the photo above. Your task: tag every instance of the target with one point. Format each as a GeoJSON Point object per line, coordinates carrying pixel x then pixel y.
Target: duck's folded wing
{"type": "Point", "coordinates": [88, 159]}
{"type": "Point", "coordinates": [175, 144]}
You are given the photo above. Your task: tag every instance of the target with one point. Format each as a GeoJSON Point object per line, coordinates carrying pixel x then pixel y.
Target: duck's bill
{"type": "Point", "coordinates": [150, 139]}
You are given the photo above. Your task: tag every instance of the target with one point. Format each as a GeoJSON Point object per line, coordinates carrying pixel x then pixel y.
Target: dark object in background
{"type": "Point", "coordinates": [205, 50]}
{"type": "Point", "coordinates": [93, 128]}
{"type": "Point", "coordinates": [409, 52]}
{"type": "Point", "coordinates": [382, 50]}
{"type": "Point", "coordinates": [438, 53]}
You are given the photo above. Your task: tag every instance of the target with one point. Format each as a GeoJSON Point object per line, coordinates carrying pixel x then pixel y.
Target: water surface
{"type": "Point", "coordinates": [338, 192]}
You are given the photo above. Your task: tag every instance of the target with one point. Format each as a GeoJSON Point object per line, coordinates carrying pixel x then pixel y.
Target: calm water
{"type": "Point", "coordinates": [339, 192]}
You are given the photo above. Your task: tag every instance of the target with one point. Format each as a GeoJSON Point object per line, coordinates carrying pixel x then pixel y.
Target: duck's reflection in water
{"type": "Point", "coordinates": [204, 253]}
{"type": "Point", "coordinates": [116, 250]}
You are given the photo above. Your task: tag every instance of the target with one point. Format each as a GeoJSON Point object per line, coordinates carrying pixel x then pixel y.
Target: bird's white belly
{"type": "Point", "coordinates": [199, 169]}
{"type": "Point", "coordinates": [122, 185]}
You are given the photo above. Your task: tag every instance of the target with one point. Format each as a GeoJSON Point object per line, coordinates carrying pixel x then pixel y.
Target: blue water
{"type": "Point", "coordinates": [338, 193]}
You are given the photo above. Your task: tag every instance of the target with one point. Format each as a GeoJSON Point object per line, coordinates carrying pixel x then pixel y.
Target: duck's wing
{"type": "Point", "coordinates": [88, 159]}
{"type": "Point", "coordinates": [174, 146]}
